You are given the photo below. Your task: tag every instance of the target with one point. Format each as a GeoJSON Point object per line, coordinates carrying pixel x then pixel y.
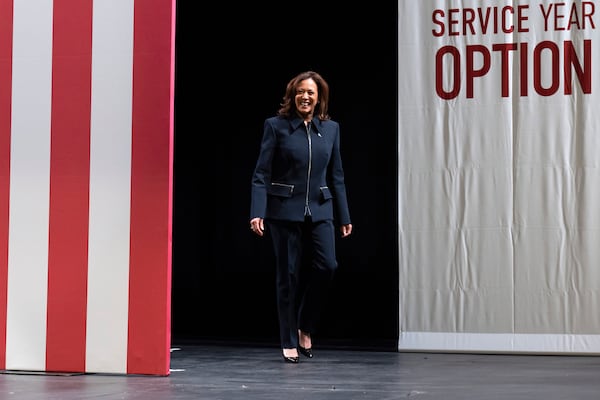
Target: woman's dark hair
{"type": "Point", "coordinates": [288, 105]}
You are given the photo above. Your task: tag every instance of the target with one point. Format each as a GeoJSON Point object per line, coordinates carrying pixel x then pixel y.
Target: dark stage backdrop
{"type": "Point", "coordinates": [232, 64]}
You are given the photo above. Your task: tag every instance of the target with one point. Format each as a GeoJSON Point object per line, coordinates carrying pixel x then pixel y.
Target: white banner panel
{"type": "Point", "coordinates": [499, 178]}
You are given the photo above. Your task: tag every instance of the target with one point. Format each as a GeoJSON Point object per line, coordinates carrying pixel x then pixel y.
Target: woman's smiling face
{"type": "Point", "coordinates": [306, 98]}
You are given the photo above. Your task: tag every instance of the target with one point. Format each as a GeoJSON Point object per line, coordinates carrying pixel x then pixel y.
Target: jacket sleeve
{"type": "Point", "coordinates": [336, 179]}
{"type": "Point", "coordinates": [262, 172]}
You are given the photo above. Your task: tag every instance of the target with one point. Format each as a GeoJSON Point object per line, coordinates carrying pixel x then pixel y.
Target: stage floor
{"type": "Point", "coordinates": [237, 372]}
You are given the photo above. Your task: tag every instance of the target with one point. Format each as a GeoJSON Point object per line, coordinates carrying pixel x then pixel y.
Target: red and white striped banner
{"type": "Point", "coordinates": [86, 154]}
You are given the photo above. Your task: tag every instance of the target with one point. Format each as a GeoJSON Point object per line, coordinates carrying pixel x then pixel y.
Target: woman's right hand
{"type": "Point", "coordinates": [258, 226]}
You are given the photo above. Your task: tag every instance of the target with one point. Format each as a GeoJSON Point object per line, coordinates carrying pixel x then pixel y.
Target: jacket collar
{"type": "Point", "coordinates": [297, 122]}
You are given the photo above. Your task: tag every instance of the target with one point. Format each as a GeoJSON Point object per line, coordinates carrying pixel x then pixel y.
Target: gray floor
{"type": "Point", "coordinates": [247, 373]}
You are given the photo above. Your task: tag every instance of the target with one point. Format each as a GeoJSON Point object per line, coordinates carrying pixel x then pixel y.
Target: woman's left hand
{"type": "Point", "coordinates": [346, 230]}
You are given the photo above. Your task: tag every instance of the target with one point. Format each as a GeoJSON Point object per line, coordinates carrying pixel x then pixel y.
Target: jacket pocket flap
{"type": "Point", "coordinates": [281, 189]}
{"type": "Point", "coordinates": [325, 193]}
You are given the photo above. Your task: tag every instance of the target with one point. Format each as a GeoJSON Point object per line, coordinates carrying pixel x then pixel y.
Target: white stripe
{"type": "Point", "coordinates": [110, 181]}
{"type": "Point", "coordinates": [29, 189]}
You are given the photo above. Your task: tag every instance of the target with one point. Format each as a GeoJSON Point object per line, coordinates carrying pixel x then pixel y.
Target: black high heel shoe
{"type": "Point", "coordinates": [305, 352]}
{"type": "Point", "coordinates": [292, 360]}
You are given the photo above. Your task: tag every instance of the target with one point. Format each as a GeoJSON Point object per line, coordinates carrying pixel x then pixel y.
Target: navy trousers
{"type": "Point", "coordinates": [301, 292]}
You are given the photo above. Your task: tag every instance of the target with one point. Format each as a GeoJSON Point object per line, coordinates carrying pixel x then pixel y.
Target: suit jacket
{"type": "Point", "coordinates": [298, 167]}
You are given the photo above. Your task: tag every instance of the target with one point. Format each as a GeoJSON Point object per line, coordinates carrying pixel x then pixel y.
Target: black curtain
{"type": "Point", "coordinates": [232, 64]}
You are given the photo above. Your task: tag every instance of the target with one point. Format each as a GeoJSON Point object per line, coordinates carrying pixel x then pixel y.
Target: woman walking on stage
{"type": "Point", "coordinates": [298, 197]}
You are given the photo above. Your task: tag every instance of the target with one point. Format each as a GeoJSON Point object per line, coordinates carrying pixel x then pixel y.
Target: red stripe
{"type": "Point", "coordinates": [148, 345]}
{"type": "Point", "coordinates": [6, 36]}
{"type": "Point", "coordinates": [69, 185]}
